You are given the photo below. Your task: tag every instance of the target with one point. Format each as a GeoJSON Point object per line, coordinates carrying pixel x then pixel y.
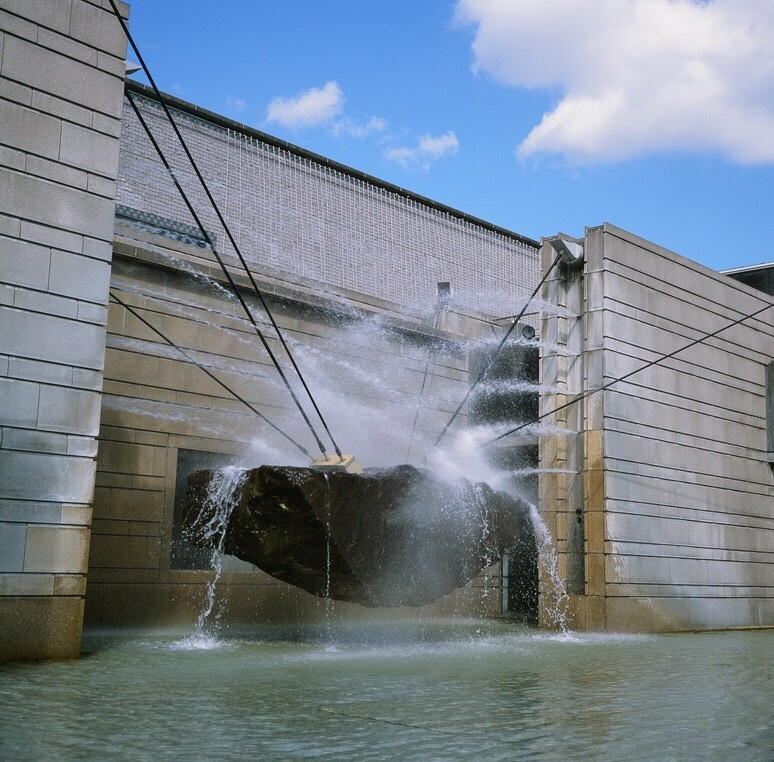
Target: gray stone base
{"type": "Point", "coordinates": [45, 627]}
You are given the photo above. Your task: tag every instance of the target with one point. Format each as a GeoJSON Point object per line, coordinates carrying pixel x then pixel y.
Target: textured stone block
{"type": "Point", "coordinates": [102, 186]}
{"type": "Point", "coordinates": [49, 304]}
{"type": "Point", "coordinates": [40, 627]}
{"type": "Point", "coordinates": [76, 514]}
{"type": "Point", "coordinates": [13, 91]}
{"type": "Point", "coordinates": [10, 227]}
{"type": "Point", "coordinates": [79, 277]}
{"type": "Point", "coordinates": [38, 336]}
{"type": "Point", "coordinates": [118, 551]}
{"type": "Point", "coordinates": [30, 512]}
{"type": "Point", "coordinates": [87, 379]}
{"type": "Point", "coordinates": [66, 78]}
{"type": "Point", "coordinates": [136, 504]}
{"type": "Point", "coordinates": [34, 441]}
{"type": "Point", "coordinates": [48, 236]}
{"type": "Point", "coordinates": [35, 370]}
{"type": "Point", "coordinates": [18, 27]}
{"type": "Point", "coordinates": [57, 172]}
{"type": "Point", "coordinates": [67, 47]}
{"type": "Point", "coordinates": [32, 476]}
{"type": "Point", "coordinates": [24, 264]}
{"type": "Point", "coordinates": [69, 584]}
{"type": "Point", "coordinates": [98, 249]}
{"type": "Point", "coordinates": [13, 159]}
{"type": "Point", "coordinates": [628, 615]}
{"type": "Point", "coordinates": [12, 542]}
{"type": "Point", "coordinates": [18, 403]}
{"type": "Point", "coordinates": [85, 447]}
{"type": "Point", "coordinates": [70, 411]}
{"type": "Point", "coordinates": [70, 112]}
{"type": "Point", "coordinates": [92, 313]}
{"type": "Point", "coordinates": [30, 131]}
{"type": "Point", "coordinates": [26, 584]}
{"type": "Point", "coordinates": [55, 205]}
{"type": "Point", "coordinates": [56, 549]}
{"type": "Point", "coordinates": [44, 12]}
{"type": "Point", "coordinates": [88, 150]}
{"type": "Point", "coordinates": [99, 28]}
{"type": "Point", "coordinates": [115, 456]}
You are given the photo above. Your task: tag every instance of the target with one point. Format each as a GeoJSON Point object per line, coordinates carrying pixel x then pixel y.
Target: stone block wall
{"type": "Point", "coordinates": [677, 490]}
{"type": "Point", "coordinates": [61, 85]}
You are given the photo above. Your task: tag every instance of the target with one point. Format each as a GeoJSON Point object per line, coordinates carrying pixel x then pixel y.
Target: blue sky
{"type": "Point", "coordinates": [539, 116]}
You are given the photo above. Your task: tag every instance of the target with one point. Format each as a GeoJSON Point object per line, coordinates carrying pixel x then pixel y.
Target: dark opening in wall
{"type": "Point", "coordinates": [508, 396]}
{"type": "Point", "coordinates": [183, 555]}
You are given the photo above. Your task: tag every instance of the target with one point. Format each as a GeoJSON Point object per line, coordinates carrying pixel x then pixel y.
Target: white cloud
{"type": "Point", "coordinates": [354, 129]}
{"type": "Point", "coordinates": [236, 104]}
{"type": "Point", "coordinates": [636, 76]}
{"type": "Point", "coordinates": [317, 105]}
{"type": "Point", "coordinates": [427, 150]}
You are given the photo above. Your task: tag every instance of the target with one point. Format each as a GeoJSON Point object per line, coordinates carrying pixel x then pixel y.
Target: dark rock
{"type": "Point", "coordinates": [387, 537]}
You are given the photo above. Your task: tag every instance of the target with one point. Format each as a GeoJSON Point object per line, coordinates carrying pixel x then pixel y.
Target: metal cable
{"type": "Point", "coordinates": [497, 350]}
{"type": "Point", "coordinates": [191, 359]}
{"type": "Point", "coordinates": [438, 311]}
{"type": "Point", "coordinates": [227, 230]}
{"type": "Point", "coordinates": [606, 386]}
{"type": "Point", "coordinates": [232, 283]}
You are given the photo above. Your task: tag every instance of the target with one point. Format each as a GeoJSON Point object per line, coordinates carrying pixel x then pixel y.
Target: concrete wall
{"type": "Point", "coordinates": [61, 85]}
{"type": "Point", "coordinates": [668, 471]}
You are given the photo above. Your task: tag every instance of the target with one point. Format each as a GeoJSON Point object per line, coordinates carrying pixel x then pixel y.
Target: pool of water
{"type": "Point", "coordinates": [392, 691]}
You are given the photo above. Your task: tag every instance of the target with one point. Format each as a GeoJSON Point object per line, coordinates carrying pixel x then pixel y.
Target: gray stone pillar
{"type": "Point", "coordinates": [61, 91]}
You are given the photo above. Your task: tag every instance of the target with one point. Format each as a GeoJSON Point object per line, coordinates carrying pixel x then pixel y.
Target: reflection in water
{"type": "Point", "coordinates": [415, 691]}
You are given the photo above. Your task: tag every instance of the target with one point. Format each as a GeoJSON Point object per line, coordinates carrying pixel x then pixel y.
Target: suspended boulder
{"type": "Point", "coordinates": [387, 537]}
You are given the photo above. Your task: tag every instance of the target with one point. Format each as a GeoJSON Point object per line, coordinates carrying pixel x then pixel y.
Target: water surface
{"type": "Point", "coordinates": [406, 691]}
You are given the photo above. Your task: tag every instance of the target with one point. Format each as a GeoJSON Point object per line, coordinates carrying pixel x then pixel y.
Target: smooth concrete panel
{"type": "Point", "coordinates": [40, 627]}
{"type": "Point", "coordinates": [33, 476]}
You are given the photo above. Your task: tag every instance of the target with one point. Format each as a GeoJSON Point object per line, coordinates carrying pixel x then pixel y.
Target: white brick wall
{"type": "Point", "coordinates": [292, 214]}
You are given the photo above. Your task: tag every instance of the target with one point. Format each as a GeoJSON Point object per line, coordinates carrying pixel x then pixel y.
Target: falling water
{"type": "Point", "coordinates": [221, 495]}
{"type": "Point", "coordinates": [328, 541]}
{"type": "Point", "coordinates": [555, 592]}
